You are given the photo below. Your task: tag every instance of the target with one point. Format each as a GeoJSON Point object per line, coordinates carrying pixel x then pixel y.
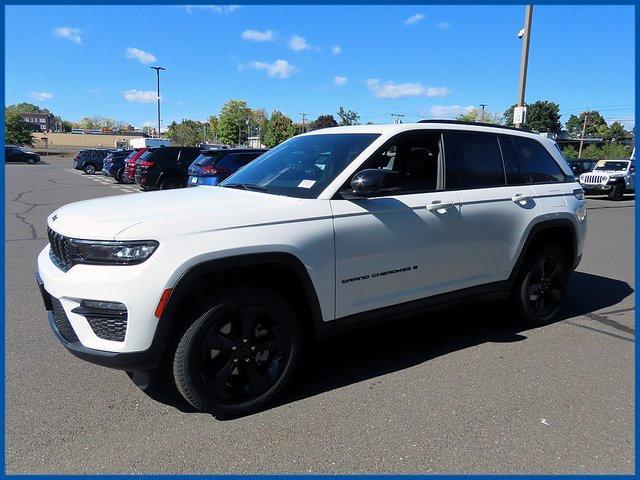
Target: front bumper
{"type": "Point", "coordinates": [138, 287]}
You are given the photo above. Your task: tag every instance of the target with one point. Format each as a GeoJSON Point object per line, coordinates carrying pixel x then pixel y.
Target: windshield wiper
{"type": "Point", "coordinates": [246, 186]}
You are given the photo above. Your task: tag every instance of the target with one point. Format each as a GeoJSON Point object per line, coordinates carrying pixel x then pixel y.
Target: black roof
{"type": "Point", "coordinates": [477, 124]}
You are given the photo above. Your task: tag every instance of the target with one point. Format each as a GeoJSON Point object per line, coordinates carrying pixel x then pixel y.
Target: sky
{"type": "Point", "coordinates": [420, 61]}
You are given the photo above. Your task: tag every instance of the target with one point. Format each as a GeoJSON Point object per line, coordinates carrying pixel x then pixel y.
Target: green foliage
{"type": "Point", "coordinates": [66, 126]}
{"type": "Point", "coordinates": [97, 122]}
{"type": "Point", "coordinates": [25, 107]}
{"type": "Point", "coordinates": [187, 133]}
{"type": "Point", "coordinates": [542, 116]}
{"type": "Point", "coordinates": [16, 131]}
{"type": "Point", "coordinates": [594, 121]}
{"type": "Point", "coordinates": [258, 123]}
{"type": "Point", "coordinates": [475, 115]}
{"type": "Point", "coordinates": [348, 117]}
{"type": "Point", "coordinates": [232, 122]}
{"type": "Point", "coordinates": [278, 129]}
{"type": "Point", "coordinates": [569, 151]}
{"type": "Point", "coordinates": [323, 121]}
{"type": "Point", "coordinates": [609, 151]}
{"type": "Point", "coordinates": [613, 133]}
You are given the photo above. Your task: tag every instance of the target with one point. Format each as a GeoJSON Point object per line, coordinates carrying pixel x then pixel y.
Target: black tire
{"type": "Point", "coordinates": [540, 285]}
{"type": "Point", "coordinates": [32, 161]}
{"type": "Point", "coordinates": [170, 183]}
{"type": "Point", "coordinates": [617, 192]}
{"type": "Point", "coordinates": [89, 168]}
{"type": "Point", "coordinates": [258, 340]}
{"type": "Point", "coordinates": [119, 176]}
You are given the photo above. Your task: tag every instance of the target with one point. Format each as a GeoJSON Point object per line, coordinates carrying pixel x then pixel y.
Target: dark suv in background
{"type": "Point", "coordinates": [213, 166]}
{"type": "Point", "coordinates": [129, 174]}
{"type": "Point", "coordinates": [113, 165]}
{"type": "Point", "coordinates": [90, 160]}
{"type": "Point", "coordinates": [164, 168]}
{"type": "Point", "coordinates": [16, 154]}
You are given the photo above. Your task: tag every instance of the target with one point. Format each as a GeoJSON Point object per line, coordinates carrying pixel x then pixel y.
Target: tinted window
{"type": "Point", "coordinates": [206, 159]}
{"type": "Point", "coordinates": [536, 163]}
{"type": "Point", "coordinates": [234, 161]}
{"type": "Point", "coordinates": [511, 167]}
{"type": "Point", "coordinates": [472, 161]}
{"type": "Point", "coordinates": [188, 155]}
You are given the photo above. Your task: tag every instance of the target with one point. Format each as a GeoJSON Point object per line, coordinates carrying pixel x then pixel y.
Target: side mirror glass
{"type": "Point", "coordinates": [372, 181]}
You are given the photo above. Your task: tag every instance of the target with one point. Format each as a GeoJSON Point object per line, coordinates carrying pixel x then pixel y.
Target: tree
{"type": "Point", "coordinates": [25, 107]}
{"type": "Point", "coordinates": [66, 126]}
{"type": "Point", "coordinates": [569, 151]}
{"type": "Point", "coordinates": [323, 121]}
{"type": "Point", "coordinates": [16, 130]}
{"type": "Point", "coordinates": [542, 116]}
{"type": "Point", "coordinates": [187, 133]}
{"type": "Point", "coordinates": [607, 151]}
{"type": "Point", "coordinates": [213, 127]}
{"type": "Point", "coordinates": [258, 123]}
{"type": "Point", "coordinates": [613, 133]}
{"type": "Point", "coordinates": [594, 121]}
{"type": "Point", "coordinates": [232, 122]}
{"type": "Point", "coordinates": [476, 115]}
{"type": "Point", "coordinates": [278, 129]}
{"type": "Point", "coordinates": [348, 117]}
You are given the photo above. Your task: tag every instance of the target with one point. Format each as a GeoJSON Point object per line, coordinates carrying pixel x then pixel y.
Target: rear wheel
{"type": "Point", "coordinates": [239, 354]}
{"type": "Point", "coordinates": [541, 285]}
{"type": "Point", "coordinates": [617, 192]}
{"type": "Point", "coordinates": [89, 169]}
{"type": "Point", "coordinates": [120, 176]}
{"type": "Point", "coordinates": [31, 161]}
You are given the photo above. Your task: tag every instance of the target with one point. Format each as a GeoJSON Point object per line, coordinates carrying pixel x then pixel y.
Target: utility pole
{"type": "Point", "coordinates": [397, 117]}
{"type": "Point", "coordinates": [304, 116]}
{"type": "Point", "coordinates": [526, 38]}
{"type": "Point", "coordinates": [157, 69]}
{"type": "Point", "coordinates": [482, 117]}
{"type": "Point", "coordinates": [204, 132]}
{"type": "Point", "coordinates": [584, 129]}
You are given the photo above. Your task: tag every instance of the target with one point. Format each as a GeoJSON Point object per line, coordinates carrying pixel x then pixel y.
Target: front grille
{"type": "Point", "coordinates": [62, 322]}
{"type": "Point", "coordinates": [108, 327]}
{"type": "Point", "coordinates": [593, 179]}
{"type": "Point", "coordinates": [61, 250]}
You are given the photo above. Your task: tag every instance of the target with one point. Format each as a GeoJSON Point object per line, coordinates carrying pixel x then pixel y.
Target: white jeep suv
{"type": "Point", "coordinates": [613, 177]}
{"type": "Point", "coordinates": [219, 285]}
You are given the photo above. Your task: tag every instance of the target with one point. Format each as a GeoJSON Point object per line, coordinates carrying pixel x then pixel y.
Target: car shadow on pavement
{"type": "Point", "coordinates": [372, 351]}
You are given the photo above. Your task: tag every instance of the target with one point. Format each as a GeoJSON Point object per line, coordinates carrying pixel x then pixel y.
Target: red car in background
{"type": "Point", "coordinates": [130, 166]}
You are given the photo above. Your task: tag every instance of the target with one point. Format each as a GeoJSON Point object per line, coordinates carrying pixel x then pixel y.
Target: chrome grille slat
{"type": "Point", "coordinates": [60, 252]}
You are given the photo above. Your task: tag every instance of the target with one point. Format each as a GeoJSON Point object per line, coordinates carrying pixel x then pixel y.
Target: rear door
{"type": "Point", "coordinates": [494, 214]}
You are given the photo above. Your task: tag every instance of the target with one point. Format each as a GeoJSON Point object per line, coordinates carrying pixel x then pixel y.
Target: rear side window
{"type": "Point", "coordinates": [472, 161]}
{"type": "Point", "coordinates": [188, 155]}
{"type": "Point", "coordinates": [234, 161]}
{"type": "Point", "coordinates": [536, 163]}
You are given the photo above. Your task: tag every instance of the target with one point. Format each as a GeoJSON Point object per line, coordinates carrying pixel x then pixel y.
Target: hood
{"type": "Point", "coordinates": [167, 211]}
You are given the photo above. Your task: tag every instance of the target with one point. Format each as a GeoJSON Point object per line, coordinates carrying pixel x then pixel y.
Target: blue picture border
{"type": "Point", "coordinates": [3, 285]}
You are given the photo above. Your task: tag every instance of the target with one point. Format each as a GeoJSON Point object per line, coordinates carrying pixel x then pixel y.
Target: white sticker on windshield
{"type": "Point", "coordinates": [306, 183]}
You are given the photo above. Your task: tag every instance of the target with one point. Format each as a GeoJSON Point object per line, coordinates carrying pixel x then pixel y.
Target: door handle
{"type": "Point", "coordinates": [439, 206]}
{"type": "Point", "coordinates": [521, 198]}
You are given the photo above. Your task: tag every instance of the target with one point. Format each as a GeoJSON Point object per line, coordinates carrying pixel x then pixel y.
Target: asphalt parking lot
{"type": "Point", "coordinates": [462, 391]}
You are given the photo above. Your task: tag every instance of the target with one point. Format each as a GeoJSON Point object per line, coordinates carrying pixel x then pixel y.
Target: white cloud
{"type": "Point", "coordinates": [449, 111]}
{"type": "Point", "coordinates": [258, 36]}
{"type": "Point", "coordinates": [68, 33]}
{"type": "Point", "coordinates": [338, 80]}
{"type": "Point", "coordinates": [140, 55]}
{"type": "Point", "coordinates": [399, 90]}
{"type": "Point", "coordinates": [298, 43]}
{"type": "Point", "coordinates": [42, 96]}
{"type": "Point", "coordinates": [443, 25]}
{"type": "Point", "coordinates": [141, 96]}
{"type": "Point", "coordinates": [212, 8]}
{"type": "Point", "coordinates": [336, 50]}
{"type": "Point", "coordinates": [413, 19]}
{"type": "Point", "coordinates": [279, 68]}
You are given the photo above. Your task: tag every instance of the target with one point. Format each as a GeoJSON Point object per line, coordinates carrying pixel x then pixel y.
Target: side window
{"type": "Point", "coordinates": [414, 157]}
{"type": "Point", "coordinates": [246, 158]}
{"type": "Point", "coordinates": [511, 167]}
{"type": "Point", "coordinates": [473, 160]}
{"type": "Point", "coordinates": [536, 163]}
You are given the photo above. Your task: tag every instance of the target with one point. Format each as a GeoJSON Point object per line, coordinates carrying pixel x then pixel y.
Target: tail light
{"type": "Point", "coordinates": [147, 163]}
{"type": "Point", "coordinates": [212, 170]}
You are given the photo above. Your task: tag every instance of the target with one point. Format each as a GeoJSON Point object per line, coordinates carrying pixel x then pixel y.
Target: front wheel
{"type": "Point", "coordinates": [240, 353]}
{"type": "Point", "coordinates": [170, 183]}
{"type": "Point", "coordinates": [89, 169]}
{"type": "Point", "coordinates": [617, 192]}
{"type": "Point", "coordinates": [541, 285]}
{"type": "Point", "coordinates": [120, 176]}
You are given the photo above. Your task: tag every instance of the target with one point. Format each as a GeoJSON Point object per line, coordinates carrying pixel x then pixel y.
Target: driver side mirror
{"type": "Point", "coordinates": [371, 182]}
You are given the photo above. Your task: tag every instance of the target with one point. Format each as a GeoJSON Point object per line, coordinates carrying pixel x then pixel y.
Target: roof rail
{"type": "Point", "coordinates": [477, 124]}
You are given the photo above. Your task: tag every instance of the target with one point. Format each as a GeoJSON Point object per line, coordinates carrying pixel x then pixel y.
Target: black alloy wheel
{"type": "Point", "coordinates": [120, 176]}
{"type": "Point", "coordinates": [617, 192]}
{"type": "Point", "coordinates": [237, 355]}
{"type": "Point", "coordinates": [542, 286]}
{"type": "Point", "coordinates": [89, 169]}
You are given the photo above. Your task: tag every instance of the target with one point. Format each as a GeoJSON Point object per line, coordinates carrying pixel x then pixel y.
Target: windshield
{"type": "Point", "coordinates": [614, 166]}
{"type": "Point", "coordinates": [302, 166]}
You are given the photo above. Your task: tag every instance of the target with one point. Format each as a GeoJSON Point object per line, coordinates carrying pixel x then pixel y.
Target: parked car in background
{"type": "Point", "coordinates": [90, 160]}
{"type": "Point", "coordinates": [17, 154]}
{"type": "Point", "coordinates": [165, 168]}
{"type": "Point", "coordinates": [129, 173]}
{"type": "Point", "coordinates": [149, 142]}
{"type": "Point", "coordinates": [611, 177]}
{"type": "Point", "coordinates": [581, 165]}
{"type": "Point", "coordinates": [113, 164]}
{"type": "Point", "coordinates": [213, 166]}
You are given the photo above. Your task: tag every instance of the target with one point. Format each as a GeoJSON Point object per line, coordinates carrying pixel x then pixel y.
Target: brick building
{"type": "Point", "coordinates": [41, 122]}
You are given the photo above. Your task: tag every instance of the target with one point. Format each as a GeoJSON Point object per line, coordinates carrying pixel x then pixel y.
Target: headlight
{"type": "Point", "coordinates": [112, 253]}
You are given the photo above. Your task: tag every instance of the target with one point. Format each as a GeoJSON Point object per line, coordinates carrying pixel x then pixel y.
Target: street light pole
{"type": "Point", "coordinates": [528, 15]}
{"type": "Point", "coordinates": [157, 69]}
{"type": "Point", "coordinates": [482, 117]}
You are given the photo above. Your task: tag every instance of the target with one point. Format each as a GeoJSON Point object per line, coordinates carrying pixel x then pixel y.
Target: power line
{"type": "Point", "coordinates": [304, 116]}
